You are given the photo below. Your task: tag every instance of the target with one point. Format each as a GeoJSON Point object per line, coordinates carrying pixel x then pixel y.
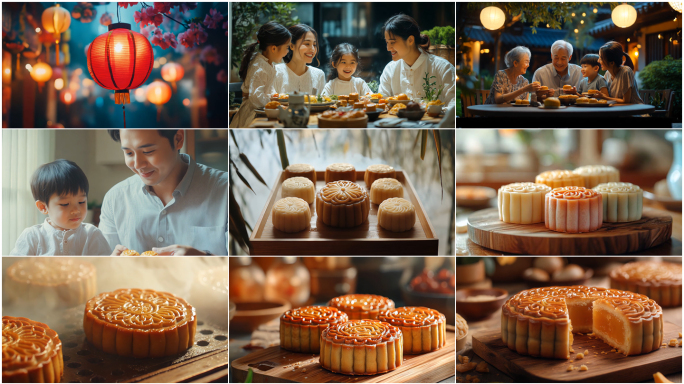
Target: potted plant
{"type": "Point", "coordinates": [470, 270]}
{"type": "Point", "coordinates": [442, 43]}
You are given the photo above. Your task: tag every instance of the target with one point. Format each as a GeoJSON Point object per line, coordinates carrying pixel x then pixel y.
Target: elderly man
{"type": "Point", "coordinates": [560, 72]}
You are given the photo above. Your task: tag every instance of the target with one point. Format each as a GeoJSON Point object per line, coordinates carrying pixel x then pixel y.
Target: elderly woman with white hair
{"type": "Point", "coordinates": [509, 84]}
{"type": "Point", "coordinates": [559, 72]}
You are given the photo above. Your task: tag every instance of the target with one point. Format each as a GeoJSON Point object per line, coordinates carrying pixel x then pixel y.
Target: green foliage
{"type": "Point", "coordinates": [441, 35]}
{"type": "Point", "coordinates": [247, 18]}
{"type": "Point", "coordinates": [665, 74]}
{"type": "Point", "coordinates": [553, 14]}
{"type": "Point", "coordinates": [459, 112]}
{"type": "Point", "coordinates": [431, 91]}
{"type": "Point", "coordinates": [374, 85]}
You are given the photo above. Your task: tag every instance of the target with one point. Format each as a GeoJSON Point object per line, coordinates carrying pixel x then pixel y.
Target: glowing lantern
{"type": "Point", "coordinates": [624, 15]}
{"type": "Point", "coordinates": [158, 93]}
{"type": "Point", "coordinates": [67, 96]}
{"type": "Point", "coordinates": [492, 18]}
{"type": "Point", "coordinates": [172, 72]}
{"type": "Point", "coordinates": [41, 73]}
{"type": "Point", "coordinates": [676, 5]}
{"type": "Point", "coordinates": [56, 20]}
{"type": "Point", "coordinates": [120, 60]}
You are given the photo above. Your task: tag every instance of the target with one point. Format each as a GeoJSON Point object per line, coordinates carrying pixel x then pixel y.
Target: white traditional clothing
{"type": "Point", "coordinates": [256, 90]}
{"type": "Point", "coordinates": [398, 77]}
{"type": "Point", "coordinates": [338, 86]}
{"type": "Point", "coordinates": [287, 82]}
{"type": "Point", "coordinates": [46, 240]}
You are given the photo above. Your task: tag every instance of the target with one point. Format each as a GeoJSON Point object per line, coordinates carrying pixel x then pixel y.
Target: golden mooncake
{"type": "Point", "coordinates": [378, 171]}
{"type": "Point", "coordinates": [301, 170]}
{"type": "Point", "coordinates": [383, 189]}
{"type": "Point", "coordinates": [560, 178]}
{"type": "Point", "coordinates": [423, 329]}
{"type": "Point", "coordinates": [291, 214]}
{"type": "Point", "coordinates": [342, 204]}
{"type": "Point", "coordinates": [140, 323]}
{"type": "Point", "coordinates": [31, 352]}
{"type": "Point", "coordinates": [340, 171]}
{"type": "Point", "coordinates": [50, 282]}
{"type": "Point", "coordinates": [299, 187]}
{"type": "Point", "coordinates": [540, 321]}
{"type": "Point", "coordinates": [361, 306]}
{"type": "Point", "coordinates": [659, 280]}
{"type": "Point", "coordinates": [361, 347]}
{"type": "Point", "coordinates": [396, 214]}
{"type": "Point", "coordinates": [301, 328]}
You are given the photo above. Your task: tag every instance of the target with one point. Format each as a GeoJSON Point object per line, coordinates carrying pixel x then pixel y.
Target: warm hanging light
{"type": "Point", "coordinates": [67, 96]}
{"type": "Point", "coordinates": [492, 18]}
{"type": "Point", "coordinates": [624, 15]}
{"type": "Point", "coordinates": [120, 60]}
{"type": "Point", "coordinates": [158, 93]}
{"type": "Point", "coordinates": [56, 20]}
{"type": "Point", "coordinates": [172, 72]}
{"type": "Point", "coordinates": [41, 73]}
{"type": "Point", "coordinates": [676, 5]}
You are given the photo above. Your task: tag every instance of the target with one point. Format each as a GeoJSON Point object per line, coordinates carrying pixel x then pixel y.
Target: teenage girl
{"type": "Point", "coordinates": [257, 71]}
{"type": "Point", "coordinates": [295, 74]}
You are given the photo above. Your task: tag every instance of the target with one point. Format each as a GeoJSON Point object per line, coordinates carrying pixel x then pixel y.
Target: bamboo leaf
{"type": "Point", "coordinates": [249, 165]}
{"type": "Point", "coordinates": [282, 148]}
{"type": "Point", "coordinates": [423, 143]}
{"type": "Point", "coordinates": [232, 229]}
{"type": "Point", "coordinates": [232, 135]}
{"type": "Point", "coordinates": [242, 177]}
{"type": "Point", "coordinates": [313, 134]}
{"type": "Point", "coordinates": [237, 224]}
{"type": "Point", "coordinates": [438, 145]}
{"type": "Point", "coordinates": [416, 140]}
{"type": "Point", "coordinates": [370, 143]}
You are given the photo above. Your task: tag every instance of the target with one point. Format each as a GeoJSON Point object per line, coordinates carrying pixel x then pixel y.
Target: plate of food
{"type": "Point", "coordinates": [586, 102]}
{"type": "Point", "coordinates": [282, 99]}
{"type": "Point", "coordinates": [552, 103]}
{"type": "Point", "coordinates": [521, 103]}
{"type": "Point", "coordinates": [395, 109]}
{"type": "Point", "coordinates": [400, 98]}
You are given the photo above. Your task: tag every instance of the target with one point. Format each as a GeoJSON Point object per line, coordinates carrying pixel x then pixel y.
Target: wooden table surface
{"type": "Point", "coordinates": [464, 246]}
{"type": "Point", "coordinates": [313, 119]}
{"type": "Point", "coordinates": [508, 110]}
{"type": "Point", "coordinates": [673, 315]}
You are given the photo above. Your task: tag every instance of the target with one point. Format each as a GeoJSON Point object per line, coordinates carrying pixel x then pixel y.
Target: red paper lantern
{"type": "Point", "coordinates": [120, 60]}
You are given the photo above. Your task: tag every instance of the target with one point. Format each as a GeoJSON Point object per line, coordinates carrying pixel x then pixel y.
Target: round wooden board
{"type": "Point", "coordinates": [485, 229]}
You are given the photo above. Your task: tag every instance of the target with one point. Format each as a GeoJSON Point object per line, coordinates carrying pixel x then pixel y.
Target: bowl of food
{"type": "Point", "coordinates": [477, 304]}
{"type": "Point", "coordinates": [432, 290]}
{"type": "Point", "coordinates": [474, 196]}
{"type": "Point", "coordinates": [413, 111]}
{"type": "Point", "coordinates": [250, 315]}
{"type": "Point", "coordinates": [272, 109]}
{"type": "Point", "coordinates": [400, 98]}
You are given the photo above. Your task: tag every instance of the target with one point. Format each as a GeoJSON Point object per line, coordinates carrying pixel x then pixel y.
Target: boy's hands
{"type": "Point", "coordinates": [118, 250]}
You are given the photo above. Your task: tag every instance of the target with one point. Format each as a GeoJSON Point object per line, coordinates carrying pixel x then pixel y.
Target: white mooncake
{"type": "Point", "coordinates": [299, 187]}
{"type": "Point", "coordinates": [594, 175]}
{"type": "Point", "coordinates": [522, 203]}
{"type": "Point", "coordinates": [622, 202]}
{"type": "Point", "coordinates": [291, 214]}
{"type": "Point", "coordinates": [383, 189]}
{"type": "Point", "coordinates": [396, 214]}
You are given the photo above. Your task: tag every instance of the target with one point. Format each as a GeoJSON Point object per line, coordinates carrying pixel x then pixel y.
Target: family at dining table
{"type": "Point", "coordinates": [278, 62]}
{"type": "Point", "coordinates": [619, 83]}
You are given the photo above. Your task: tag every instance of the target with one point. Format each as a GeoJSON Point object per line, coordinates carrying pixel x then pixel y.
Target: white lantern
{"type": "Point", "coordinates": [492, 18]}
{"type": "Point", "coordinates": [676, 5]}
{"type": "Point", "coordinates": [624, 15]}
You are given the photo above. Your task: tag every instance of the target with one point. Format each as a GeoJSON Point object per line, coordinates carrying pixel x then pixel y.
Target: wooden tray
{"type": "Point", "coordinates": [269, 366]}
{"type": "Point", "coordinates": [610, 367]}
{"type": "Point", "coordinates": [366, 239]}
{"type": "Point", "coordinates": [485, 229]}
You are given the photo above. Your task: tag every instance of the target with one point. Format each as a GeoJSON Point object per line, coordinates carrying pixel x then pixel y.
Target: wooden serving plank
{"type": "Point", "coordinates": [366, 239]}
{"type": "Point", "coordinates": [269, 366]}
{"type": "Point", "coordinates": [485, 229]}
{"type": "Point", "coordinates": [608, 367]}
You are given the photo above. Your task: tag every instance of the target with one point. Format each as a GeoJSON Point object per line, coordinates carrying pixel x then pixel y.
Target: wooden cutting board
{"type": "Point", "coordinates": [276, 365]}
{"type": "Point", "coordinates": [610, 367]}
{"type": "Point", "coordinates": [485, 229]}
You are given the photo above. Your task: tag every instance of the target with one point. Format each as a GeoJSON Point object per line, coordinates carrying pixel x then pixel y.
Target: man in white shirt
{"type": "Point", "coordinates": [172, 205]}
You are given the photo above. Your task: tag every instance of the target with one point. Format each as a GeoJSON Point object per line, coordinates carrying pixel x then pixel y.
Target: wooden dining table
{"type": "Point", "coordinates": [573, 111]}
{"type": "Point", "coordinates": [313, 120]}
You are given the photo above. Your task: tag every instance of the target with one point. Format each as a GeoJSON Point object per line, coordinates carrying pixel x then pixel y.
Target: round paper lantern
{"type": "Point", "coordinates": [56, 20]}
{"type": "Point", "coordinates": [41, 73]}
{"type": "Point", "coordinates": [676, 5]}
{"type": "Point", "coordinates": [624, 15]}
{"type": "Point", "coordinates": [492, 18]}
{"type": "Point", "coordinates": [172, 72]}
{"type": "Point", "coordinates": [158, 93]}
{"type": "Point", "coordinates": [67, 96]}
{"type": "Point", "coordinates": [120, 60]}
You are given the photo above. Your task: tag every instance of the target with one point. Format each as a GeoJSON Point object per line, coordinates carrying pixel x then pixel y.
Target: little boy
{"type": "Point", "coordinates": [60, 189]}
{"type": "Point", "coordinates": [592, 79]}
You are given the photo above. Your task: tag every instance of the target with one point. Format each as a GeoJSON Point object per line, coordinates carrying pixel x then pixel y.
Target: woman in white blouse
{"type": "Point", "coordinates": [294, 74]}
{"type": "Point", "coordinates": [622, 84]}
{"type": "Point", "coordinates": [411, 61]}
{"type": "Point", "coordinates": [258, 72]}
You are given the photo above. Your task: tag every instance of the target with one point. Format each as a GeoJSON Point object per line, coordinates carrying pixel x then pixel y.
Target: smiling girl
{"type": "Point", "coordinates": [411, 61]}
{"type": "Point", "coordinates": [295, 74]}
{"type": "Point", "coordinates": [258, 72]}
{"type": "Point", "coordinates": [344, 64]}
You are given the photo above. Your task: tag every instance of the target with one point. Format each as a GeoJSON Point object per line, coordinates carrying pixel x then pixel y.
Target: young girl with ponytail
{"type": "Point", "coordinates": [258, 72]}
{"type": "Point", "coordinates": [411, 61]}
{"type": "Point", "coordinates": [344, 64]}
{"type": "Point", "coordinates": [622, 85]}
{"type": "Point", "coordinates": [294, 74]}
